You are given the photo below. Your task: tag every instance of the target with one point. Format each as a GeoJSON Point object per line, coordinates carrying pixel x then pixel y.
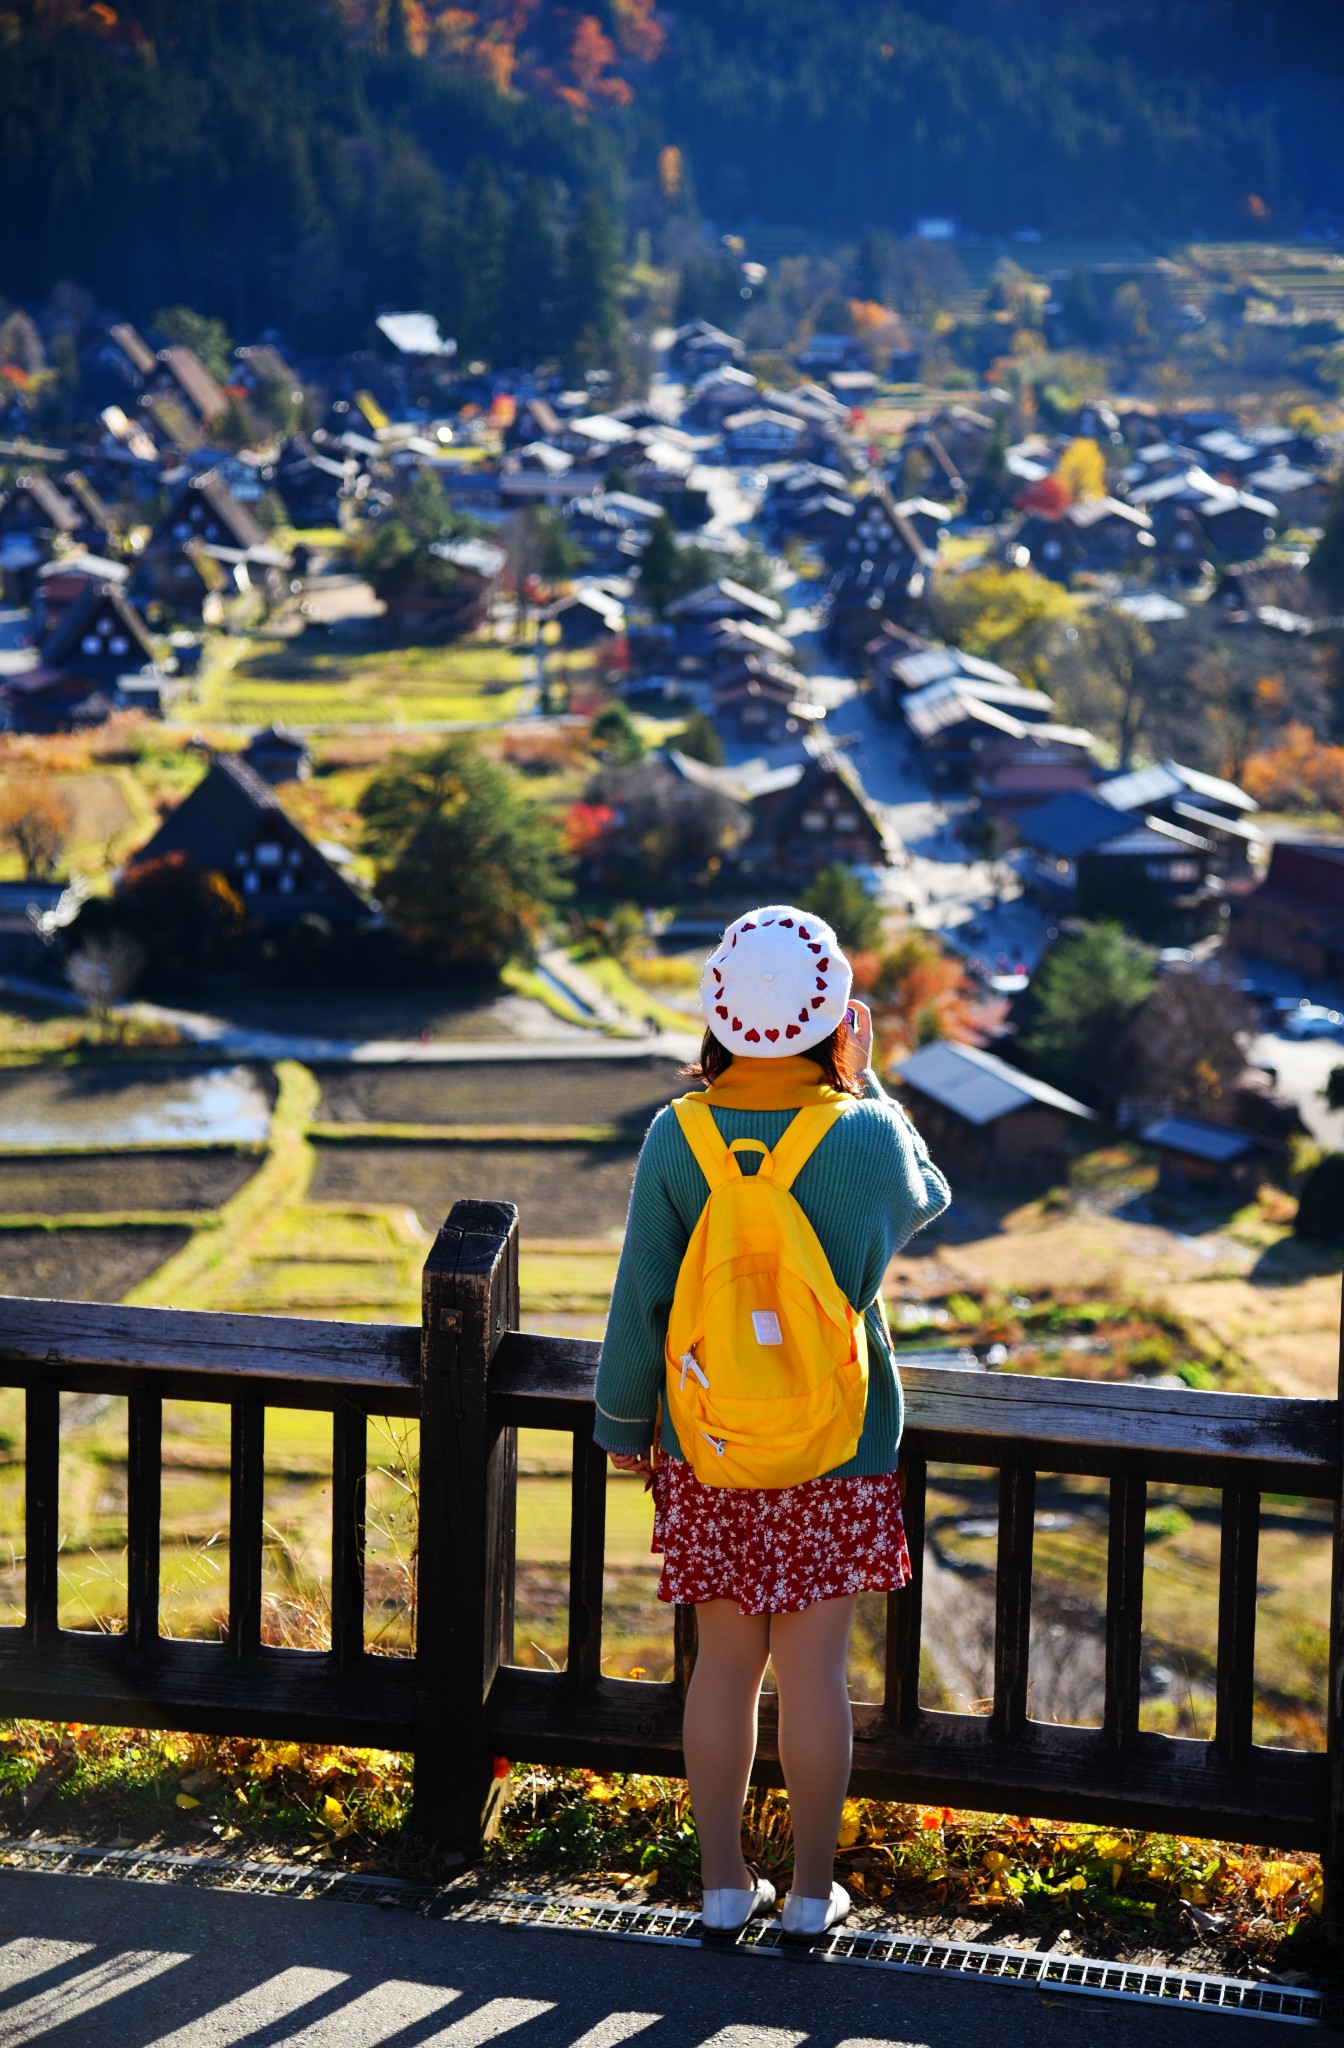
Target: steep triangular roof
{"type": "Point", "coordinates": [101, 612]}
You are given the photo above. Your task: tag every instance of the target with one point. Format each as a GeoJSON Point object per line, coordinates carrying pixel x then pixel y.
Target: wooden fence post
{"type": "Point", "coordinates": [1332, 1856]}
{"type": "Point", "coordinates": [464, 1558]}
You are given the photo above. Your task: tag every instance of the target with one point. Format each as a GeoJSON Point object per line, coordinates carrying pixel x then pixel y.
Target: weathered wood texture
{"type": "Point", "coordinates": [471, 1378]}
{"type": "Point", "coordinates": [467, 1483]}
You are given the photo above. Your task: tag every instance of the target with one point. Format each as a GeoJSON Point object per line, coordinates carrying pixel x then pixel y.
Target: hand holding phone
{"type": "Point", "coordinates": [860, 1021]}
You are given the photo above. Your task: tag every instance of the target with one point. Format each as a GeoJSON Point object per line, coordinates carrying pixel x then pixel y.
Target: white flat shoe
{"type": "Point", "coordinates": [808, 1919]}
{"type": "Point", "coordinates": [727, 1912]}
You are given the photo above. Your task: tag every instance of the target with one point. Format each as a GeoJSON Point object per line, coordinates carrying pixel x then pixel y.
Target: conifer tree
{"type": "Point", "coordinates": [530, 282]}
{"type": "Point", "coordinates": [484, 239]}
{"type": "Point", "coordinates": [1326, 567]}
{"type": "Point", "coordinates": [592, 285]}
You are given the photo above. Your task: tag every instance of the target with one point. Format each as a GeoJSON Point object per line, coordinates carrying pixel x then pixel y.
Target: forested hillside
{"type": "Point", "coordinates": [301, 162]}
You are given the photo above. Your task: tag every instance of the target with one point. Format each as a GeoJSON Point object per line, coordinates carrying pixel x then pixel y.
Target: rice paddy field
{"type": "Point", "coordinates": [331, 1213]}
{"type": "Point", "coordinates": [308, 681]}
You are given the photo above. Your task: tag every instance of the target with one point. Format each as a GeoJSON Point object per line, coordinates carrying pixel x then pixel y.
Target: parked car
{"type": "Point", "coordinates": [1313, 1020]}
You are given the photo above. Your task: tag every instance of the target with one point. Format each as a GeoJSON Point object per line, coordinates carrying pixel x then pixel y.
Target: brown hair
{"type": "Point", "coordinates": [838, 1056]}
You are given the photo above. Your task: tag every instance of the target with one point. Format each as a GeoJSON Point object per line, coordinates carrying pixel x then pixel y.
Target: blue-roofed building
{"type": "Point", "coordinates": [1085, 855]}
{"type": "Point", "coordinates": [985, 1121]}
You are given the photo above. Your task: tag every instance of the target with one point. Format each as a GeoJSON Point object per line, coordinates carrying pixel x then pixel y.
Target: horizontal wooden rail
{"type": "Point", "coordinates": [1293, 1446]}
{"type": "Point", "coordinates": [470, 1378]}
{"type": "Point", "coordinates": [321, 1364]}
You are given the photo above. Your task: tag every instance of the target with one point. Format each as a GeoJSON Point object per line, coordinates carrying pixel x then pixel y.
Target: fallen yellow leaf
{"type": "Point", "coordinates": [1278, 1878]}
{"type": "Point", "coordinates": [851, 1824]}
{"type": "Point", "coordinates": [185, 1801]}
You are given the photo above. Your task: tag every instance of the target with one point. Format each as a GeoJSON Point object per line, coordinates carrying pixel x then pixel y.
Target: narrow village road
{"type": "Point", "coordinates": [91, 1962]}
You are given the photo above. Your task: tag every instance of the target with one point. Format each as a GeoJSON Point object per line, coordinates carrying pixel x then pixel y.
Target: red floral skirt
{"type": "Point", "coordinates": [775, 1550]}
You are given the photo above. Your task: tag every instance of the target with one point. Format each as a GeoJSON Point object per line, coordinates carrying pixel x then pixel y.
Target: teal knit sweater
{"type": "Point", "coordinates": [868, 1187]}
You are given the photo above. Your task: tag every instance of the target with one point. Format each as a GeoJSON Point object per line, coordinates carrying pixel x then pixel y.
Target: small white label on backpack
{"type": "Point", "coordinates": [765, 1323]}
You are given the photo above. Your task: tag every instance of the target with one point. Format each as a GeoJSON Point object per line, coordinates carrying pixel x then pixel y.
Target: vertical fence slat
{"type": "Point", "coordinates": [247, 1476]}
{"type": "Point", "coordinates": [905, 1610]}
{"type": "Point", "coordinates": [349, 1468]}
{"type": "Point", "coordinates": [1012, 1597]}
{"type": "Point", "coordinates": [1332, 1855]}
{"type": "Point", "coordinates": [465, 1555]}
{"type": "Point", "coordinates": [587, 1553]}
{"type": "Point", "coordinates": [42, 1460]}
{"type": "Point", "coordinates": [1124, 1608]}
{"type": "Point", "coordinates": [1238, 1565]}
{"type": "Point", "coordinates": [144, 1488]}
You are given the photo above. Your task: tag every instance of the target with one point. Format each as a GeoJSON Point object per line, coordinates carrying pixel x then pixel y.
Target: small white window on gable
{"type": "Point", "coordinates": [267, 855]}
{"type": "Point", "coordinates": [119, 644]}
{"type": "Point", "coordinates": [91, 644]}
{"type": "Point", "coordinates": [814, 821]}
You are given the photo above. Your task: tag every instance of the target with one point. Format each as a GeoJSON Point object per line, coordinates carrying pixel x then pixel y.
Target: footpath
{"type": "Point", "coordinates": [92, 1962]}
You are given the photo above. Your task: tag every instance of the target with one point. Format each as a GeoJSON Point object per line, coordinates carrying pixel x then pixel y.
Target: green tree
{"type": "Point", "coordinates": [531, 282]}
{"type": "Point", "coordinates": [666, 570]}
{"type": "Point", "coordinates": [592, 313]}
{"type": "Point", "coordinates": [699, 740]}
{"type": "Point", "coordinates": [1326, 567]}
{"type": "Point", "coordinates": [467, 867]}
{"type": "Point", "coordinates": [615, 738]}
{"type": "Point", "coordinates": [485, 219]}
{"type": "Point", "coordinates": [210, 339]}
{"type": "Point", "coordinates": [1320, 1206]}
{"type": "Point", "coordinates": [1085, 995]}
{"type": "Point", "coordinates": [1012, 616]}
{"type": "Point", "coordinates": [837, 894]}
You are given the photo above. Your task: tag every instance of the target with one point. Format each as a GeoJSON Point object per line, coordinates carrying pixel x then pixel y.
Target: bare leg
{"type": "Point", "coordinates": [719, 1734]}
{"type": "Point", "coordinates": [816, 1732]}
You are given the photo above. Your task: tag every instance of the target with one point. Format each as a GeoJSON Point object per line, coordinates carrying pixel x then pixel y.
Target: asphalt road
{"type": "Point", "coordinates": [1302, 1065]}
{"type": "Point", "coordinates": [90, 1962]}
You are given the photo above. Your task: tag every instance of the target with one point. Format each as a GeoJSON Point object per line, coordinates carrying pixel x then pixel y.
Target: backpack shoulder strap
{"type": "Point", "coordinates": [801, 1140]}
{"type": "Point", "coordinates": [701, 1133]}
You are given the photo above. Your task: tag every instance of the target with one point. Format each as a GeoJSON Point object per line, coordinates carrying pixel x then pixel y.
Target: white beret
{"type": "Point", "coordinates": [777, 983]}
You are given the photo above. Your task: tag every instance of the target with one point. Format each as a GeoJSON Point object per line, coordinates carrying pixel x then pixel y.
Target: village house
{"type": "Point", "coordinates": [816, 812]}
{"type": "Point", "coordinates": [1096, 535]}
{"type": "Point", "coordinates": [1296, 915]}
{"type": "Point", "coordinates": [180, 375]}
{"type": "Point", "coordinates": [207, 545]}
{"type": "Point", "coordinates": [452, 599]}
{"type": "Point", "coordinates": [698, 346]}
{"type": "Point", "coordinates": [713, 397]}
{"type": "Point", "coordinates": [1271, 593]}
{"type": "Point", "coordinates": [588, 617]}
{"type": "Point", "coordinates": [762, 699]}
{"type": "Point", "coordinates": [1218, 810]}
{"type": "Point", "coordinates": [277, 756]}
{"type": "Point", "coordinates": [232, 824]}
{"type": "Point", "coordinates": [760, 435]}
{"type": "Point", "coordinates": [35, 516]}
{"type": "Point", "coordinates": [1195, 1157]}
{"type": "Point", "coordinates": [1084, 856]}
{"type": "Point", "coordinates": [989, 1124]}
{"type": "Point", "coordinates": [312, 482]}
{"type": "Point", "coordinates": [62, 582]}
{"type": "Point", "coordinates": [827, 352]}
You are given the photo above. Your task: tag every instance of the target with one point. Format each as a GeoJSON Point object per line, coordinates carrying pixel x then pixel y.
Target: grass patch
{"type": "Point", "coordinates": [308, 681]}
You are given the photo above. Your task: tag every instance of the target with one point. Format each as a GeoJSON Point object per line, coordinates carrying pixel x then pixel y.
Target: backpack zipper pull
{"type": "Point", "coordinates": [690, 1363]}
{"type": "Point", "coordinates": [720, 1443]}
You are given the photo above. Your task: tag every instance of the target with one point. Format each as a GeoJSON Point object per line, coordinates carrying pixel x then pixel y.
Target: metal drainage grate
{"type": "Point", "coordinates": [215, 1873]}
{"type": "Point", "coordinates": [1030, 1967]}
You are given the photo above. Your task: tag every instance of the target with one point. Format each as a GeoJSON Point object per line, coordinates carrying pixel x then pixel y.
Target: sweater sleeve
{"type": "Point", "coordinates": [630, 1373]}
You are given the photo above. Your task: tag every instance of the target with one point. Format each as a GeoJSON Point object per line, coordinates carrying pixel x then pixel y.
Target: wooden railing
{"type": "Point", "coordinates": [472, 1378]}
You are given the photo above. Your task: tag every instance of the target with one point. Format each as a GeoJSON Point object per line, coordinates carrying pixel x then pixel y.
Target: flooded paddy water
{"type": "Point", "coordinates": [76, 1108]}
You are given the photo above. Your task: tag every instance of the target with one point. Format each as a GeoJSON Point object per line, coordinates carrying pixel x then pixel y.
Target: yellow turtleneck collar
{"type": "Point", "coordinates": [789, 1082]}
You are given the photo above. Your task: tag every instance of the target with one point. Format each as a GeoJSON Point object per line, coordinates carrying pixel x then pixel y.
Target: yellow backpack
{"type": "Point", "coordinates": [767, 1363]}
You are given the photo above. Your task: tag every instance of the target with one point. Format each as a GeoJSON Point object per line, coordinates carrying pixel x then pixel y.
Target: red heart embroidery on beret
{"type": "Point", "coordinates": [791, 1031]}
{"type": "Point", "coordinates": [817, 1002]}
{"type": "Point", "coordinates": [752, 1037]}
{"type": "Point", "coordinates": [734, 938]}
{"type": "Point", "coordinates": [822, 965]}
{"type": "Point", "coordinates": [719, 1010]}
{"type": "Point", "coordinates": [803, 932]}
{"type": "Point", "coordinates": [748, 927]}
{"type": "Point", "coordinates": [821, 981]}
{"type": "Point", "coordinates": [802, 1016]}
{"type": "Point", "coordinates": [814, 947]}
{"type": "Point", "coordinates": [787, 923]}
{"type": "Point", "coordinates": [767, 924]}
{"type": "Point", "coordinates": [737, 1023]}
{"type": "Point", "coordinates": [772, 1036]}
